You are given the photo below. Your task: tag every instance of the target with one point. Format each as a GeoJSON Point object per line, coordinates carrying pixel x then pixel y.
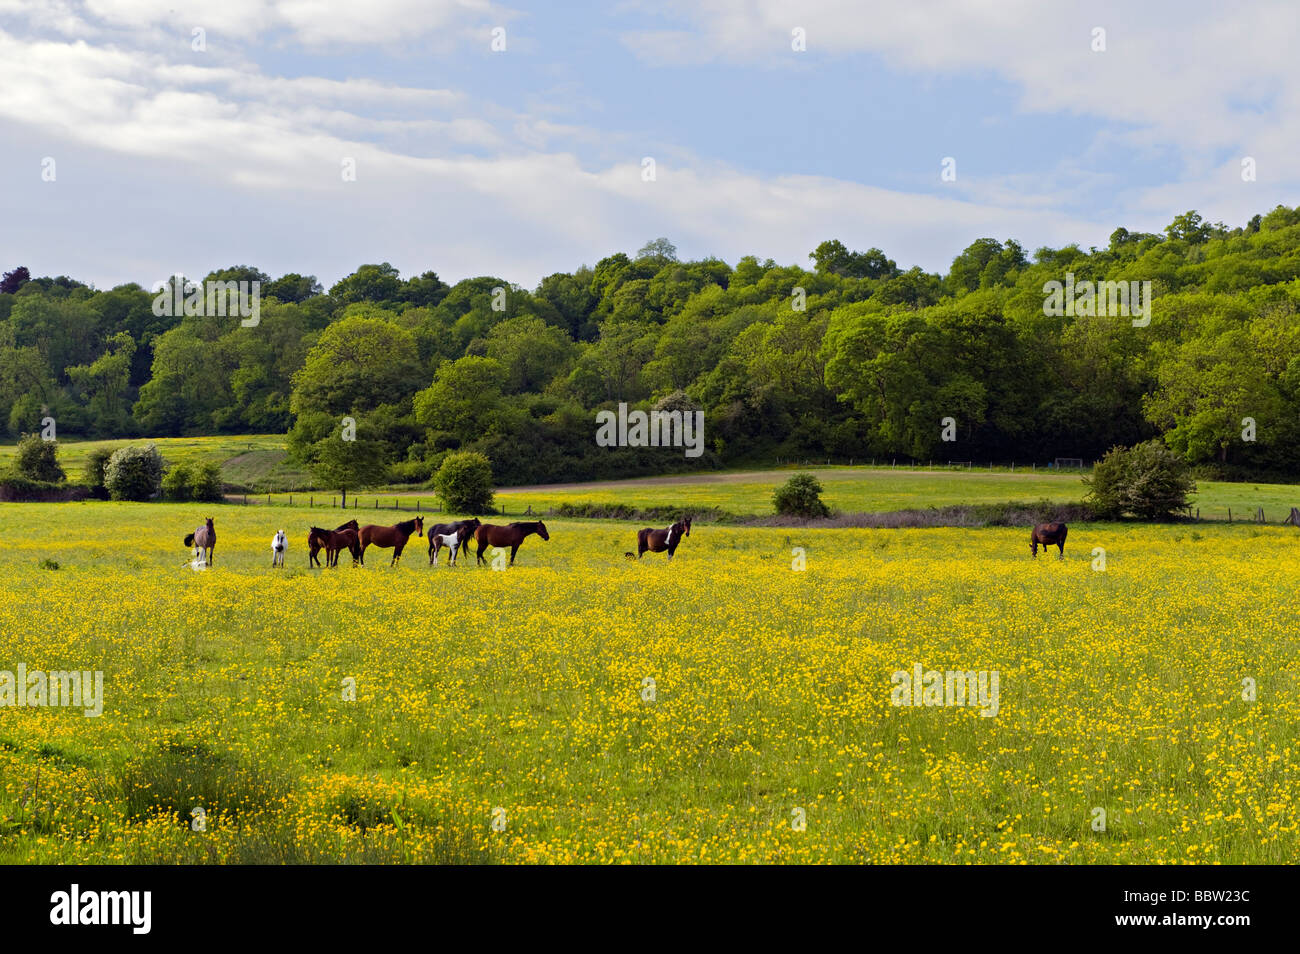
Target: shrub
{"type": "Point", "coordinates": [411, 472]}
{"type": "Point", "coordinates": [205, 482]}
{"type": "Point", "coordinates": [800, 496]}
{"type": "Point", "coordinates": [96, 461]}
{"type": "Point", "coordinates": [134, 473]}
{"type": "Point", "coordinates": [464, 482]}
{"type": "Point", "coordinates": [176, 483]}
{"type": "Point", "coordinates": [38, 459]}
{"type": "Point", "coordinates": [1148, 480]}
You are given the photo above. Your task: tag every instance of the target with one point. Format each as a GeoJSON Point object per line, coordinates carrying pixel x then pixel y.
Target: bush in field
{"type": "Point", "coordinates": [176, 483]}
{"type": "Point", "coordinates": [38, 459]}
{"type": "Point", "coordinates": [96, 462]}
{"type": "Point", "coordinates": [464, 482]}
{"type": "Point", "coordinates": [800, 496]}
{"type": "Point", "coordinates": [134, 473]}
{"type": "Point", "coordinates": [205, 482]}
{"type": "Point", "coordinates": [1148, 480]}
{"type": "Point", "coordinates": [201, 482]}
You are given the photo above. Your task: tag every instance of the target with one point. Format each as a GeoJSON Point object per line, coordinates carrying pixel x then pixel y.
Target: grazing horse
{"type": "Point", "coordinates": [1047, 534]}
{"type": "Point", "coordinates": [318, 540]}
{"type": "Point", "coordinates": [464, 528]}
{"type": "Point", "coordinates": [509, 536]}
{"type": "Point", "coordinates": [203, 539]}
{"type": "Point", "coordinates": [394, 536]}
{"type": "Point", "coordinates": [279, 543]}
{"type": "Point", "coordinates": [449, 540]}
{"type": "Point", "coordinates": [657, 541]}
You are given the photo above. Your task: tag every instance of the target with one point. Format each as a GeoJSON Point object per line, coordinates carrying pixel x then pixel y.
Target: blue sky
{"type": "Point", "coordinates": [526, 161]}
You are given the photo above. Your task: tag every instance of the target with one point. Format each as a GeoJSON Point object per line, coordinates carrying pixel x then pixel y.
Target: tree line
{"type": "Point", "coordinates": [850, 357]}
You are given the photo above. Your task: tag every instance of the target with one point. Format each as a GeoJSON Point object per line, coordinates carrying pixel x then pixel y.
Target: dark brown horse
{"type": "Point", "coordinates": [508, 536]}
{"type": "Point", "coordinates": [1048, 534]}
{"type": "Point", "coordinates": [394, 536]}
{"type": "Point", "coordinates": [657, 541]}
{"type": "Point", "coordinates": [205, 539]}
{"type": "Point", "coordinates": [465, 529]}
{"type": "Point", "coordinates": [335, 542]}
{"type": "Point", "coordinates": [318, 540]}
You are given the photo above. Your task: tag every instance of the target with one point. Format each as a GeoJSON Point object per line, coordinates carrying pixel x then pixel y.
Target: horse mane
{"type": "Point", "coordinates": [406, 526]}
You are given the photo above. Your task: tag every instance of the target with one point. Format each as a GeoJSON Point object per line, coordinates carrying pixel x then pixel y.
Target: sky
{"type": "Point", "coordinates": [141, 138]}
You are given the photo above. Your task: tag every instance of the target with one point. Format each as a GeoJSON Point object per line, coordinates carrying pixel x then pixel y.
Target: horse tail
{"type": "Point", "coordinates": [189, 539]}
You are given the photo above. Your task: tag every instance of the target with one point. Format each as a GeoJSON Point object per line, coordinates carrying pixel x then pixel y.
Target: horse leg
{"type": "Point", "coordinates": [482, 545]}
{"type": "Point", "coordinates": [397, 553]}
{"type": "Point", "coordinates": [513, 550]}
{"type": "Point", "coordinates": [1061, 545]}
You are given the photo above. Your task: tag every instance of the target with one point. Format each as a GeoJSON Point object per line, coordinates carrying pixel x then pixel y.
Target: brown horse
{"type": "Point", "coordinates": [509, 536]}
{"type": "Point", "coordinates": [318, 540]}
{"type": "Point", "coordinates": [465, 529]}
{"type": "Point", "coordinates": [335, 542]}
{"type": "Point", "coordinates": [1048, 534]}
{"type": "Point", "coordinates": [394, 536]}
{"type": "Point", "coordinates": [657, 541]}
{"type": "Point", "coordinates": [204, 538]}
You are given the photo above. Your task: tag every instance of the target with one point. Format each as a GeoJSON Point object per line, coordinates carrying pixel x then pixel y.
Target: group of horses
{"type": "Point", "coordinates": [456, 537]}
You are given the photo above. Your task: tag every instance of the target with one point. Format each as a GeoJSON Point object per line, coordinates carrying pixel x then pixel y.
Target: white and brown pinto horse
{"type": "Point", "coordinates": [204, 542]}
{"type": "Point", "coordinates": [657, 541]}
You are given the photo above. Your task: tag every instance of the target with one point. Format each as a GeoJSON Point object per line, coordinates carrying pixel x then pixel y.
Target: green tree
{"type": "Point", "coordinates": [134, 473]}
{"type": "Point", "coordinates": [1148, 480]}
{"type": "Point", "coordinates": [357, 364]}
{"type": "Point", "coordinates": [376, 283]}
{"type": "Point", "coordinates": [800, 496]}
{"type": "Point", "coordinates": [96, 463]}
{"type": "Point", "coordinates": [465, 400]}
{"type": "Point", "coordinates": [176, 482]}
{"type": "Point", "coordinates": [464, 482]}
{"type": "Point", "coordinates": [38, 459]}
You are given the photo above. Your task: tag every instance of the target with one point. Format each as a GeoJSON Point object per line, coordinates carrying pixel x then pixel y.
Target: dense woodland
{"type": "Point", "coordinates": [868, 367]}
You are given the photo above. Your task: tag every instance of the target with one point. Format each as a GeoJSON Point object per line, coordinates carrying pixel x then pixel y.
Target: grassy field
{"type": "Point", "coordinates": [860, 489]}
{"type": "Point", "coordinates": [522, 697]}
{"type": "Point", "coordinates": [260, 462]}
{"type": "Point", "coordinates": [251, 460]}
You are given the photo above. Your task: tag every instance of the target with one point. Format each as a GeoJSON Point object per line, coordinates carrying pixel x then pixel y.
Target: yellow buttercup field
{"type": "Point", "coordinates": [580, 707]}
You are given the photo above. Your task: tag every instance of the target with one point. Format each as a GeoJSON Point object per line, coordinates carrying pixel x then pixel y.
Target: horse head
{"type": "Point", "coordinates": [419, 526]}
{"type": "Point", "coordinates": [687, 525]}
{"type": "Point", "coordinates": [541, 531]}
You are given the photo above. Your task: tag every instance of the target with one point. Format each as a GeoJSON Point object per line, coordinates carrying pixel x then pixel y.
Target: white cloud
{"type": "Point", "coordinates": [463, 186]}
